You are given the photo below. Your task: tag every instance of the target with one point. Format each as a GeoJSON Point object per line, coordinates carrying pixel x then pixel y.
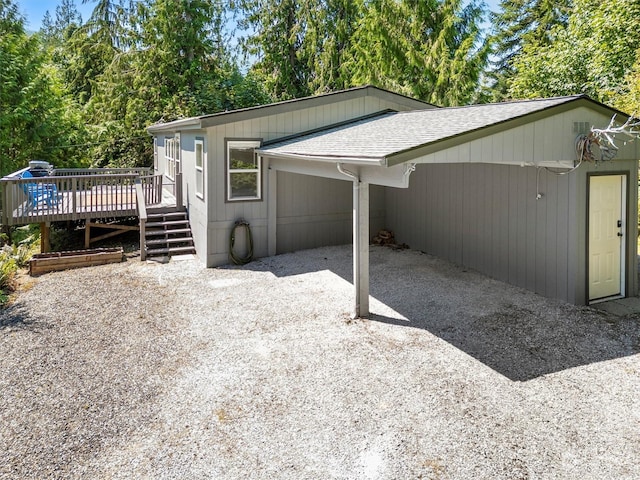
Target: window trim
{"type": "Point", "coordinates": [177, 155]}
{"type": "Point", "coordinates": [155, 154]}
{"type": "Point", "coordinates": [242, 142]}
{"type": "Point", "coordinates": [170, 162]}
{"type": "Point", "coordinates": [199, 141]}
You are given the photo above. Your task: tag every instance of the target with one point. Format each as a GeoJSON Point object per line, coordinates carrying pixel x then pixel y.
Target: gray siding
{"type": "Point", "coordinates": [296, 216]}
{"type": "Point", "coordinates": [486, 217]}
{"type": "Point", "coordinates": [314, 212]}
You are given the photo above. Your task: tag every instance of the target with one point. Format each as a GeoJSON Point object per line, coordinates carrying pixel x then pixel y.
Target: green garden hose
{"type": "Point", "coordinates": [232, 240]}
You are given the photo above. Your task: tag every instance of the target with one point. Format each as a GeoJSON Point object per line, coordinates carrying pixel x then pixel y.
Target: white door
{"type": "Point", "coordinates": [607, 201]}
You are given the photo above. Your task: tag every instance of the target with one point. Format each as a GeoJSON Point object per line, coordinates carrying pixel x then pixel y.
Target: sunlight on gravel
{"type": "Point", "coordinates": [151, 370]}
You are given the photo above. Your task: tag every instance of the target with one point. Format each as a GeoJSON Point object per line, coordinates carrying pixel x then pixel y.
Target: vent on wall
{"type": "Point", "coordinates": [581, 128]}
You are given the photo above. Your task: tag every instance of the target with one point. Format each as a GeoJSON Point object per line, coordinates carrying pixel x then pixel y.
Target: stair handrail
{"type": "Point", "coordinates": [142, 214]}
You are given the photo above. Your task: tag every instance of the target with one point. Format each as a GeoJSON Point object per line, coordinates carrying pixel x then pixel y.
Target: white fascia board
{"type": "Point", "coordinates": [186, 124]}
{"type": "Point", "coordinates": [397, 176]}
{"type": "Point", "coordinates": [373, 161]}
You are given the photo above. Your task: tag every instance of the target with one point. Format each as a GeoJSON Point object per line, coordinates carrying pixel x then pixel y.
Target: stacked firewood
{"type": "Point", "coordinates": [386, 238]}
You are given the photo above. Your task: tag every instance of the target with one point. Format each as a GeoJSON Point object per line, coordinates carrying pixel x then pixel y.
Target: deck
{"type": "Point", "coordinates": [81, 194]}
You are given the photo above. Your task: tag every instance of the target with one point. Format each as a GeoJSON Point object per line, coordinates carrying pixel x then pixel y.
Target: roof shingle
{"type": "Point", "coordinates": [395, 132]}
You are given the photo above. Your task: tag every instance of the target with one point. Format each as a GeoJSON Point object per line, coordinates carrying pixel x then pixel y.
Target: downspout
{"type": "Point", "coordinates": [360, 242]}
{"type": "Point", "coordinates": [349, 174]}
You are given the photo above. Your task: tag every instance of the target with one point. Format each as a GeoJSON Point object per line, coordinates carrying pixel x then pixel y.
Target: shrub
{"type": "Point", "coordinates": [15, 256]}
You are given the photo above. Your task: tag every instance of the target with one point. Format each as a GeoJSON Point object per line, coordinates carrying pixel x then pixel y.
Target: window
{"type": "Point", "coordinates": [177, 163]}
{"type": "Point", "coordinates": [243, 171]}
{"type": "Point", "coordinates": [169, 154]}
{"type": "Point", "coordinates": [155, 153]}
{"type": "Point", "coordinates": [200, 167]}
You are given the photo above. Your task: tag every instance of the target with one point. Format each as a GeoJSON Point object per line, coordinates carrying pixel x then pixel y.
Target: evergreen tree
{"type": "Point", "coordinates": [594, 54]}
{"type": "Point", "coordinates": [329, 38]}
{"type": "Point", "coordinates": [36, 119]}
{"type": "Point", "coordinates": [521, 24]}
{"type": "Point", "coordinates": [67, 18]}
{"type": "Point", "coordinates": [432, 50]}
{"type": "Point", "coordinates": [278, 34]}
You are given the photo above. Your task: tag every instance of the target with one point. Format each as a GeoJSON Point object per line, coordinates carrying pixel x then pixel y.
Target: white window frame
{"type": "Point", "coordinates": [177, 155]}
{"type": "Point", "coordinates": [170, 162]}
{"type": "Point", "coordinates": [199, 169]}
{"type": "Point", "coordinates": [229, 171]}
{"type": "Point", "coordinates": [155, 154]}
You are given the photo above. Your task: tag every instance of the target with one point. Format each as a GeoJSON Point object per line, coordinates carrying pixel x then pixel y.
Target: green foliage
{"type": "Point", "coordinates": [432, 49]}
{"type": "Point", "coordinates": [277, 42]}
{"type": "Point", "coordinates": [38, 119]}
{"type": "Point", "coordinates": [15, 256]}
{"type": "Point", "coordinates": [594, 54]}
{"type": "Point", "coordinates": [518, 26]}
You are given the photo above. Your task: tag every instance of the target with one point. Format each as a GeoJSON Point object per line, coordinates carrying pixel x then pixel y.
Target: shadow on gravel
{"type": "Point", "coordinates": [517, 333]}
{"type": "Point", "coordinates": [16, 316]}
{"type": "Point", "coordinates": [522, 344]}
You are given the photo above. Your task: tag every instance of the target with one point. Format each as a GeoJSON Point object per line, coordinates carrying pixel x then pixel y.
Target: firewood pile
{"type": "Point", "coordinates": [386, 238]}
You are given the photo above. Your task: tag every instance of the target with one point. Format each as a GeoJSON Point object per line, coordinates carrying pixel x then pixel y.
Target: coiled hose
{"type": "Point", "coordinates": [235, 258]}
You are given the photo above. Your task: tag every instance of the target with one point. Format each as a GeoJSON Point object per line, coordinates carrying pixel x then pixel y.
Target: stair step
{"type": "Point", "coordinates": [155, 216]}
{"type": "Point", "coordinates": [170, 250]}
{"type": "Point", "coordinates": [149, 233]}
{"type": "Point", "coordinates": [168, 223]}
{"type": "Point", "coordinates": [162, 241]}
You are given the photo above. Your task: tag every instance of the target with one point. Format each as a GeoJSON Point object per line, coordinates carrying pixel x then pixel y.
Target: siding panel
{"type": "Point", "coordinates": [486, 217]}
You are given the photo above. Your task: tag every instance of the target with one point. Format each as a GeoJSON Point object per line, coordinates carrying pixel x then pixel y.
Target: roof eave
{"type": "Point", "coordinates": [371, 161]}
{"type": "Point", "coordinates": [192, 123]}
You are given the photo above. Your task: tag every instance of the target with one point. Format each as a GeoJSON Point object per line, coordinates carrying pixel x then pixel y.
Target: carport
{"type": "Point", "coordinates": [510, 144]}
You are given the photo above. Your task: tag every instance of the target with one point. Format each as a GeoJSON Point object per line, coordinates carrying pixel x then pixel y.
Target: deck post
{"type": "Point", "coordinates": [87, 233]}
{"type": "Point", "coordinates": [142, 214]}
{"type": "Point", "coordinates": [272, 222]}
{"type": "Point", "coordinates": [178, 181]}
{"type": "Point", "coordinates": [361, 248]}
{"type": "Point", "coordinates": [45, 238]}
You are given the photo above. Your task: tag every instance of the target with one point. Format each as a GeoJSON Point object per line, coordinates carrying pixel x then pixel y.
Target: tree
{"type": "Point", "coordinates": [432, 50]}
{"type": "Point", "coordinates": [67, 17]}
{"type": "Point", "coordinates": [331, 31]}
{"type": "Point", "coordinates": [594, 54]}
{"type": "Point", "coordinates": [36, 120]}
{"type": "Point", "coordinates": [279, 28]}
{"type": "Point", "coordinates": [520, 25]}
{"type": "Point", "coordinates": [178, 66]}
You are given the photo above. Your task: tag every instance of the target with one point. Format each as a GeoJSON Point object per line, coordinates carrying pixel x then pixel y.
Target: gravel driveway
{"type": "Point", "coordinates": [147, 370]}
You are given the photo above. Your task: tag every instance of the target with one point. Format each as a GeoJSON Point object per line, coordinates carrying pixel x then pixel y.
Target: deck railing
{"type": "Point", "coordinates": [74, 172]}
{"type": "Point", "coordinates": [72, 197]}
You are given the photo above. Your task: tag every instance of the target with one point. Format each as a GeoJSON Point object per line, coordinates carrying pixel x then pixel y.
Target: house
{"type": "Point", "coordinates": [498, 188]}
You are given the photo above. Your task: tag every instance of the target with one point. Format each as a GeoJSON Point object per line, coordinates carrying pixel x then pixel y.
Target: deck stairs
{"type": "Point", "coordinates": [168, 234]}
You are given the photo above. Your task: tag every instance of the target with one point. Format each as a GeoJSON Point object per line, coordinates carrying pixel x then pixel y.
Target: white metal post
{"type": "Point", "coordinates": [361, 247]}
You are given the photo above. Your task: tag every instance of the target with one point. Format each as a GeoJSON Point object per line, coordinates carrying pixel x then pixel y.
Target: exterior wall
{"type": "Point", "coordinates": [299, 232]}
{"type": "Point", "coordinates": [196, 206]}
{"type": "Point", "coordinates": [314, 212]}
{"type": "Point", "coordinates": [542, 142]}
{"type": "Point", "coordinates": [487, 217]}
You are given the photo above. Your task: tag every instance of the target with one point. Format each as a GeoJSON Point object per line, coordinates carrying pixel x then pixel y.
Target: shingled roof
{"type": "Point", "coordinates": [390, 138]}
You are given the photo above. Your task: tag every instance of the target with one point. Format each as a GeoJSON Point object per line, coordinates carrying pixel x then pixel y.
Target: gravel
{"type": "Point", "coordinates": [150, 370]}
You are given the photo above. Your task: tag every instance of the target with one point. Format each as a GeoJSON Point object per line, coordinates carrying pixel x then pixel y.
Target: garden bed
{"type": "Point", "coordinates": [49, 262]}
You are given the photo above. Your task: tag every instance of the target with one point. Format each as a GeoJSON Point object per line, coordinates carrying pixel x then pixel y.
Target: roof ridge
{"type": "Point", "coordinates": [566, 98]}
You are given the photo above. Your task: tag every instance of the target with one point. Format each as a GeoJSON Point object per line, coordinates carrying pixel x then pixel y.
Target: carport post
{"type": "Point", "coordinates": [361, 247]}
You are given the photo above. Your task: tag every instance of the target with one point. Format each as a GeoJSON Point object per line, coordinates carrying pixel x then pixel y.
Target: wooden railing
{"type": "Point", "coordinates": [74, 172]}
{"type": "Point", "coordinates": [72, 197]}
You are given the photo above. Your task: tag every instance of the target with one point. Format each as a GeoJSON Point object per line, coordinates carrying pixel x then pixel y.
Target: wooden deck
{"type": "Point", "coordinates": [85, 195]}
